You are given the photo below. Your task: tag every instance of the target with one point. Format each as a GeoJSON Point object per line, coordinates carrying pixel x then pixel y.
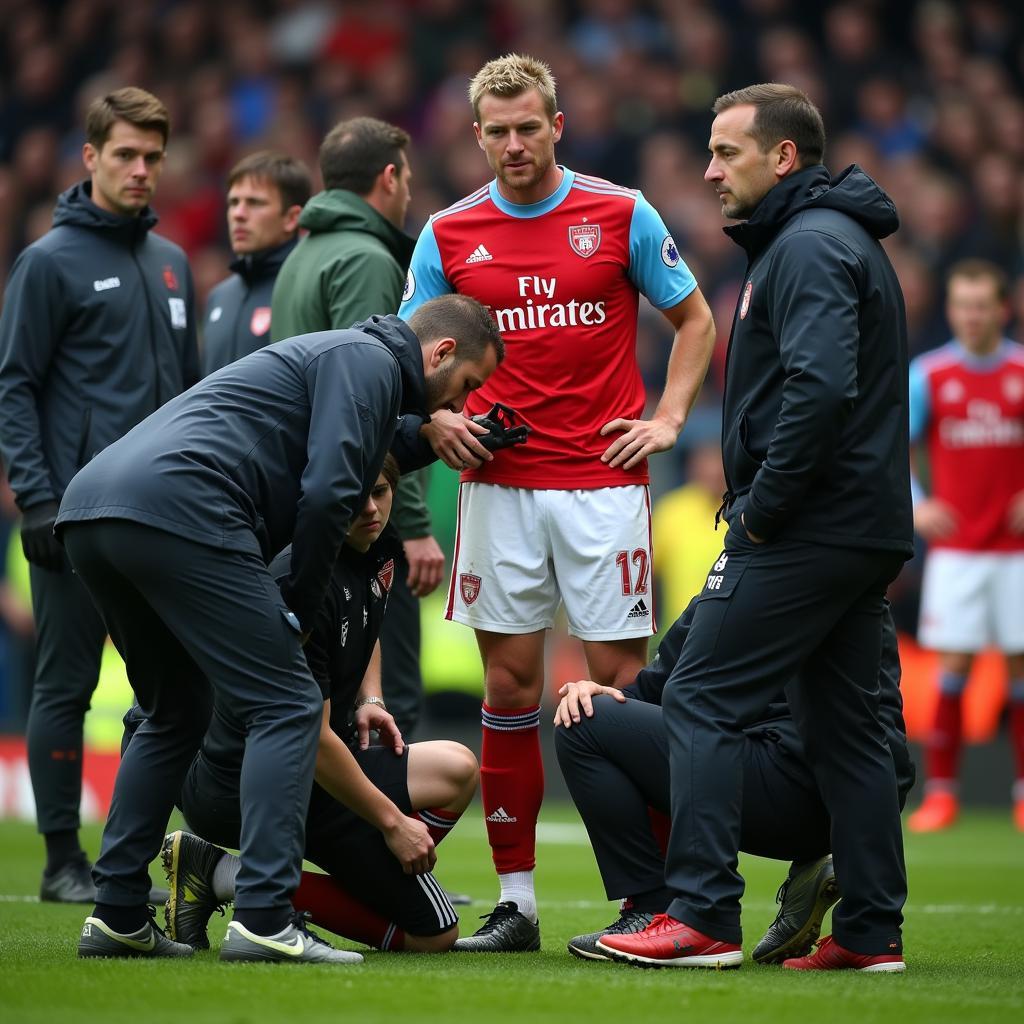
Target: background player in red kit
{"type": "Point", "coordinates": [967, 410]}
{"type": "Point", "coordinates": [560, 258]}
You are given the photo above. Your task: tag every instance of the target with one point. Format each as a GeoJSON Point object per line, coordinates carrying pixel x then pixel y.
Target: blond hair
{"type": "Point", "coordinates": [512, 75]}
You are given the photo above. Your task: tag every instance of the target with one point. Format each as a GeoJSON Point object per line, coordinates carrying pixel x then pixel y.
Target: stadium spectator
{"type": "Point", "coordinates": [351, 266]}
{"type": "Point", "coordinates": [97, 332]}
{"type": "Point", "coordinates": [266, 194]}
{"type": "Point", "coordinates": [613, 751]}
{"type": "Point", "coordinates": [817, 465]}
{"type": "Point", "coordinates": [565, 518]}
{"type": "Point", "coordinates": [359, 826]}
{"type": "Point", "coordinates": [171, 529]}
{"type": "Point", "coordinates": [967, 417]}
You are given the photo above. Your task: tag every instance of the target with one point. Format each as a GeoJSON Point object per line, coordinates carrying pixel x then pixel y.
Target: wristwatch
{"type": "Point", "coordinates": [369, 700]}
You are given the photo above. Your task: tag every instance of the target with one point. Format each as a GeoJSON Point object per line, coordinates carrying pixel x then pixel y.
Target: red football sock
{"type": "Point", "coordinates": [943, 755]}
{"type": "Point", "coordinates": [439, 821]}
{"type": "Point", "coordinates": [1017, 734]}
{"type": "Point", "coordinates": [512, 785]}
{"type": "Point", "coordinates": [661, 826]}
{"type": "Point", "coordinates": [331, 907]}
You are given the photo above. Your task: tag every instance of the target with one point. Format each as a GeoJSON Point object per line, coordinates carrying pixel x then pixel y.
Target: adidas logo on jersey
{"type": "Point", "coordinates": [479, 255]}
{"type": "Point", "coordinates": [501, 817]}
{"type": "Point", "coordinates": [639, 610]}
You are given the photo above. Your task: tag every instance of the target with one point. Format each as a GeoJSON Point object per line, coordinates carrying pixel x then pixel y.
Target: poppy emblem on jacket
{"type": "Point", "coordinates": [585, 239]}
{"type": "Point", "coordinates": [745, 304]}
{"type": "Point", "coordinates": [387, 575]}
{"type": "Point", "coordinates": [470, 587]}
{"type": "Point", "coordinates": [260, 322]}
{"type": "Point", "coordinates": [169, 279]}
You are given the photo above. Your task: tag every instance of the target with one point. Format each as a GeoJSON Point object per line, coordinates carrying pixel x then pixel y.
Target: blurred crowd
{"type": "Point", "coordinates": [926, 95]}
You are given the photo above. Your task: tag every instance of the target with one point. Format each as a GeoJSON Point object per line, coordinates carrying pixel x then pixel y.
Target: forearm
{"type": "Point", "coordinates": [338, 772]}
{"type": "Point", "coordinates": [688, 363]}
{"type": "Point", "coordinates": [371, 685]}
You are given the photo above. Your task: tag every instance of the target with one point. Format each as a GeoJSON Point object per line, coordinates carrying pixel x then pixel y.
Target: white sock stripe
{"type": "Point", "coordinates": [435, 821]}
{"type": "Point", "coordinates": [446, 916]}
{"type": "Point", "coordinates": [389, 936]}
{"type": "Point", "coordinates": [510, 723]}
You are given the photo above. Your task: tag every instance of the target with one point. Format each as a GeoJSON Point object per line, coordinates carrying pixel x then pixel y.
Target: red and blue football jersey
{"type": "Point", "coordinates": [562, 278]}
{"type": "Point", "coordinates": [969, 411]}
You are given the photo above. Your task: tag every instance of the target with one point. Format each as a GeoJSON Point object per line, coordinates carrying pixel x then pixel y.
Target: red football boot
{"type": "Point", "coordinates": [830, 956]}
{"type": "Point", "coordinates": [666, 942]}
{"type": "Point", "coordinates": [938, 811]}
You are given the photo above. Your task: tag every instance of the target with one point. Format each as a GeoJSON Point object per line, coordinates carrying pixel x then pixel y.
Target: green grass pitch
{"type": "Point", "coordinates": [964, 945]}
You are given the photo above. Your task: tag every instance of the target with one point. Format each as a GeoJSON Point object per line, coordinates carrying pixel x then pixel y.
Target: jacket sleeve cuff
{"type": "Point", "coordinates": [761, 524]}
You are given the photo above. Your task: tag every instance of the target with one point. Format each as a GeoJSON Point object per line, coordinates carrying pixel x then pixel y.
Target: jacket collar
{"type": "Point", "coordinates": [254, 266]}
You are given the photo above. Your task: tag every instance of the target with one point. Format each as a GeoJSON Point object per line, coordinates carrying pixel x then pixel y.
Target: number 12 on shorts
{"type": "Point", "coordinates": [638, 559]}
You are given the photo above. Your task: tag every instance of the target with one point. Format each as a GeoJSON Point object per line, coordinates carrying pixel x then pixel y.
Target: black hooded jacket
{"type": "Point", "coordinates": [287, 441]}
{"type": "Point", "coordinates": [237, 320]}
{"type": "Point", "coordinates": [814, 419]}
{"type": "Point", "coordinates": [97, 332]}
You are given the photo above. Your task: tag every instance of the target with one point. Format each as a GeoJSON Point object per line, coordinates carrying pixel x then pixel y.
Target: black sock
{"type": "Point", "coordinates": [264, 920]}
{"type": "Point", "coordinates": [655, 901]}
{"type": "Point", "coordinates": [123, 920]}
{"type": "Point", "coordinates": [60, 848]}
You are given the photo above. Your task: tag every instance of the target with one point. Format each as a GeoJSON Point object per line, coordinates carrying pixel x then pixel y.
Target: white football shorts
{"type": "Point", "coordinates": [971, 600]}
{"type": "Point", "coordinates": [520, 552]}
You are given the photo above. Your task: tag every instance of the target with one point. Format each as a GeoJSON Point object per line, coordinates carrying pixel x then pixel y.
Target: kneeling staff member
{"type": "Point", "coordinates": [613, 751]}
{"type": "Point", "coordinates": [172, 528]}
{"type": "Point", "coordinates": [374, 809]}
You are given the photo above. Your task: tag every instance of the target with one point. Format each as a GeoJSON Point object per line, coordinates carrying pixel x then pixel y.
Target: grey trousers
{"type": "Point", "coordinates": [190, 620]}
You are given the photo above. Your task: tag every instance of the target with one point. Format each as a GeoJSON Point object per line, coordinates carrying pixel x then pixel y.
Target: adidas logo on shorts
{"type": "Point", "coordinates": [640, 610]}
{"type": "Point", "coordinates": [501, 817]}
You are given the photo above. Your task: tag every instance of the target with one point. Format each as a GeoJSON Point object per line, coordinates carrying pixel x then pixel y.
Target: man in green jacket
{"type": "Point", "coordinates": [351, 265]}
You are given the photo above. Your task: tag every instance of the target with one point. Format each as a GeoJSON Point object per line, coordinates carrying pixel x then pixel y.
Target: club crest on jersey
{"type": "Point", "coordinates": [1013, 388]}
{"type": "Point", "coordinates": [952, 390]}
{"type": "Point", "coordinates": [470, 587]}
{"type": "Point", "coordinates": [169, 279]}
{"type": "Point", "coordinates": [386, 575]}
{"type": "Point", "coordinates": [745, 304]}
{"type": "Point", "coordinates": [260, 321]}
{"type": "Point", "coordinates": [344, 632]}
{"type": "Point", "coordinates": [585, 239]}
{"type": "Point", "coordinates": [669, 252]}
{"type": "Point", "coordinates": [410, 286]}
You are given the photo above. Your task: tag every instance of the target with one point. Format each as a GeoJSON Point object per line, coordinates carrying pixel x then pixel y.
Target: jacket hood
{"type": "Point", "coordinates": [75, 207]}
{"type": "Point", "coordinates": [254, 266]}
{"type": "Point", "coordinates": [337, 209]}
{"type": "Point", "coordinates": [853, 192]}
{"type": "Point", "coordinates": [405, 346]}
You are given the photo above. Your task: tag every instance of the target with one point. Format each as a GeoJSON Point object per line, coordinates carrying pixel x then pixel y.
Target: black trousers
{"type": "Point", "coordinates": [616, 766]}
{"type": "Point", "coordinates": [768, 614]}
{"type": "Point", "coordinates": [348, 848]}
{"type": "Point", "coordinates": [401, 677]}
{"type": "Point", "coordinates": [69, 647]}
{"type": "Point", "coordinates": [190, 620]}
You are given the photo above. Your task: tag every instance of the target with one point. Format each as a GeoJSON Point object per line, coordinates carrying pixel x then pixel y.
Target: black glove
{"type": "Point", "coordinates": [503, 432]}
{"type": "Point", "coordinates": [37, 540]}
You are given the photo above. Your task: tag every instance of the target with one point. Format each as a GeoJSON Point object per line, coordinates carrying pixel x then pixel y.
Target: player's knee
{"type": "Point", "coordinates": [511, 686]}
{"type": "Point", "coordinates": [461, 769]}
{"type": "Point", "coordinates": [432, 943]}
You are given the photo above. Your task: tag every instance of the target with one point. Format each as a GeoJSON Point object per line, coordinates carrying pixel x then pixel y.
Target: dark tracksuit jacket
{"type": "Point", "coordinates": [814, 418]}
{"type": "Point", "coordinates": [237, 320]}
{"type": "Point", "coordinates": [352, 264]}
{"type": "Point", "coordinates": [286, 442]}
{"type": "Point", "coordinates": [97, 332]}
